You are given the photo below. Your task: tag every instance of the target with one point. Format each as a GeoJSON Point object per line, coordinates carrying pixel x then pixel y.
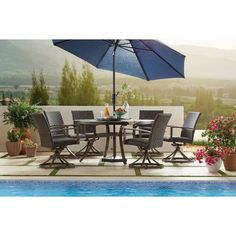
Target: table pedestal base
{"type": "Point", "coordinates": [114, 159]}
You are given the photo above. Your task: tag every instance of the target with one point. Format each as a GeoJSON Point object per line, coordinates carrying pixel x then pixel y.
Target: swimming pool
{"type": "Point", "coordinates": [116, 188]}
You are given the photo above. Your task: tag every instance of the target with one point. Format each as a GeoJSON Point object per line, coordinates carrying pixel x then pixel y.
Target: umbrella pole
{"type": "Point", "coordinates": [114, 81]}
{"type": "Point", "coordinates": [114, 76]}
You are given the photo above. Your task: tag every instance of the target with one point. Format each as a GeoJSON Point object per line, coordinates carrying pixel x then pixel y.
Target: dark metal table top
{"type": "Point", "coordinates": [101, 121]}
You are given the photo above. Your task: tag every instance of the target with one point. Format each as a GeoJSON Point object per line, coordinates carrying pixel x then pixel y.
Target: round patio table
{"type": "Point", "coordinates": [114, 134]}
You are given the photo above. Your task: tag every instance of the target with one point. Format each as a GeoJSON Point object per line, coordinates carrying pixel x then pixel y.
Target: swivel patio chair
{"type": "Point", "coordinates": [90, 134]}
{"type": "Point", "coordinates": [154, 140]}
{"type": "Point", "coordinates": [186, 136]}
{"type": "Point", "coordinates": [147, 115]}
{"type": "Point", "coordinates": [55, 120]}
{"type": "Point", "coordinates": [56, 139]}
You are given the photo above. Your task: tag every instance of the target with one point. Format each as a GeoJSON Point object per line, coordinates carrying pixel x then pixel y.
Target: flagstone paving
{"type": "Point", "coordinates": [22, 166]}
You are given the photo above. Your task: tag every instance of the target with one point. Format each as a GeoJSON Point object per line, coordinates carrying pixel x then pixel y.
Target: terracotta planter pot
{"type": "Point", "coordinates": [230, 162]}
{"type": "Point", "coordinates": [27, 134]}
{"type": "Point", "coordinates": [13, 148]}
{"type": "Point", "coordinates": [22, 152]}
{"type": "Point", "coordinates": [30, 152]}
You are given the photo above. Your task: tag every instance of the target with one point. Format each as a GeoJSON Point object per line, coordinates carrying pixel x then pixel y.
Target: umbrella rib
{"type": "Point", "coordinates": [164, 59]}
{"type": "Point", "coordinates": [109, 41]}
{"type": "Point", "coordinates": [126, 47]}
{"type": "Point", "coordinates": [144, 71]}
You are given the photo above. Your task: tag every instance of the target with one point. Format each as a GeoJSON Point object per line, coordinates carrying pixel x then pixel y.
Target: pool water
{"type": "Point", "coordinates": [116, 188]}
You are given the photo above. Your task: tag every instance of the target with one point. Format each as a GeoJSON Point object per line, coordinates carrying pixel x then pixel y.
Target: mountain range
{"type": "Point", "coordinates": [19, 58]}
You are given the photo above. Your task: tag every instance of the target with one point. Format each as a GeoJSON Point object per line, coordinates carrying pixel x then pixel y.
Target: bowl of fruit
{"type": "Point", "coordinates": [120, 112]}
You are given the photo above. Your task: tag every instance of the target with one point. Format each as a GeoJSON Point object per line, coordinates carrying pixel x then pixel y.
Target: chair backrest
{"type": "Point", "coordinates": [149, 114]}
{"type": "Point", "coordinates": [43, 129]}
{"type": "Point", "coordinates": [55, 118]}
{"type": "Point", "coordinates": [84, 115]}
{"type": "Point", "coordinates": [189, 125]}
{"type": "Point", "coordinates": [158, 130]}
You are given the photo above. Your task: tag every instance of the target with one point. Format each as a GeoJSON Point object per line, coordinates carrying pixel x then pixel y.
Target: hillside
{"type": "Point", "coordinates": [18, 58]}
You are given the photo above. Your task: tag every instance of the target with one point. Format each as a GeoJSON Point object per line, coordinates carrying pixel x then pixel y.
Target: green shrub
{"type": "Point", "coordinates": [13, 135]}
{"type": "Point", "coordinates": [200, 143]}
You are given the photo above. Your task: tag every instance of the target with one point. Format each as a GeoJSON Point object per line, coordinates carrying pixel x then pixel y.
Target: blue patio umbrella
{"type": "Point", "coordinates": [145, 59]}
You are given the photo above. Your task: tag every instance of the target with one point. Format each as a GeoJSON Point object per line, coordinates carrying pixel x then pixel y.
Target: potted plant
{"type": "Point", "coordinates": [213, 157]}
{"type": "Point", "coordinates": [19, 113]}
{"type": "Point", "coordinates": [30, 147]}
{"type": "Point", "coordinates": [14, 144]}
{"type": "Point", "coordinates": [221, 133]}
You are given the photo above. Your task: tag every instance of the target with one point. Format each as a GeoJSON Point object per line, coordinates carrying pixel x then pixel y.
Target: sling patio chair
{"type": "Point", "coordinates": [186, 136]}
{"type": "Point", "coordinates": [55, 120]}
{"type": "Point", "coordinates": [145, 145]}
{"type": "Point", "coordinates": [90, 134]}
{"type": "Point", "coordinates": [56, 138]}
{"type": "Point", "coordinates": [146, 115]}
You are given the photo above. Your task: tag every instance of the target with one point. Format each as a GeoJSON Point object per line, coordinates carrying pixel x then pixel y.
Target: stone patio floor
{"type": "Point", "coordinates": [93, 167]}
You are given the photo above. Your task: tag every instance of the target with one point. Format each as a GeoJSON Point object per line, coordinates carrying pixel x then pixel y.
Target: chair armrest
{"type": "Point", "coordinates": [61, 126]}
{"type": "Point", "coordinates": [178, 127]}
{"type": "Point", "coordinates": [65, 128]}
{"type": "Point", "coordinates": [175, 126]}
{"type": "Point", "coordinates": [140, 130]}
{"type": "Point", "coordinates": [143, 123]}
{"type": "Point", "coordinates": [134, 130]}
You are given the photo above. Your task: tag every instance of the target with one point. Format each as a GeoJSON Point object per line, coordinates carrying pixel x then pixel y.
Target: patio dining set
{"type": "Point", "coordinates": [146, 133]}
{"type": "Point", "coordinates": [145, 59]}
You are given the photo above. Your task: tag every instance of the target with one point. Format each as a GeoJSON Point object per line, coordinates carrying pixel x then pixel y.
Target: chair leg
{"type": "Point", "coordinates": [95, 151]}
{"type": "Point", "coordinates": [153, 152]}
{"type": "Point", "coordinates": [172, 157]}
{"type": "Point", "coordinates": [71, 152]}
{"type": "Point", "coordinates": [57, 161]}
{"type": "Point", "coordinates": [146, 161]}
{"type": "Point", "coordinates": [81, 150]}
{"type": "Point", "coordinates": [89, 150]}
{"type": "Point", "coordinates": [88, 147]}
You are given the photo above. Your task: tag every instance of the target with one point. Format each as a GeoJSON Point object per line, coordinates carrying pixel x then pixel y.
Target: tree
{"type": "Point", "coordinates": [4, 102]}
{"type": "Point", "coordinates": [126, 94]}
{"type": "Point", "coordinates": [39, 91]}
{"type": "Point", "coordinates": [34, 92]}
{"type": "Point", "coordinates": [176, 101]}
{"type": "Point", "coordinates": [44, 96]}
{"type": "Point", "coordinates": [107, 97]}
{"type": "Point", "coordinates": [16, 86]}
{"type": "Point", "coordinates": [68, 86]}
{"type": "Point", "coordinates": [11, 97]}
{"type": "Point", "coordinates": [87, 92]}
{"type": "Point", "coordinates": [204, 103]}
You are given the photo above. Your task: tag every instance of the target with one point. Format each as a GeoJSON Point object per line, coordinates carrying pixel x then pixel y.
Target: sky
{"type": "Point", "coordinates": [221, 44]}
{"type": "Point", "coordinates": [157, 19]}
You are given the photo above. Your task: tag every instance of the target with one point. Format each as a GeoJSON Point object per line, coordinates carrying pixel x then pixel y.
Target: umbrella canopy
{"type": "Point", "coordinates": [145, 59]}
